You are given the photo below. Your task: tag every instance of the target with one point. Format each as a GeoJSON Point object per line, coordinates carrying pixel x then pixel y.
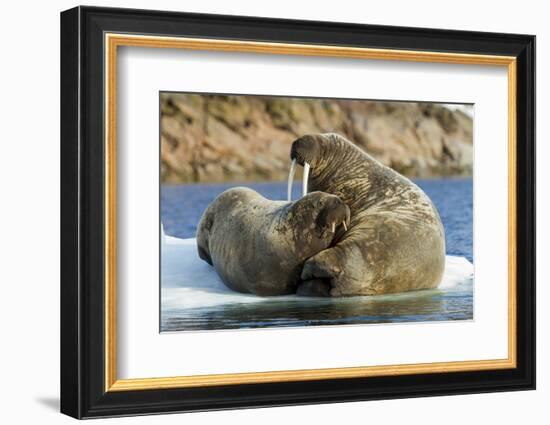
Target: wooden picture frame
{"type": "Point", "coordinates": [90, 38]}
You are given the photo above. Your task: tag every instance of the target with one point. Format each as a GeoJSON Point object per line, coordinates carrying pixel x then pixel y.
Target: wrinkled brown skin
{"type": "Point", "coordinates": [259, 246]}
{"type": "Point", "coordinates": [395, 242]}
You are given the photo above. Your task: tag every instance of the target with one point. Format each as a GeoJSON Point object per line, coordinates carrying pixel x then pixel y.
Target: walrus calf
{"type": "Point", "coordinates": [259, 246]}
{"type": "Point", "coordinates": [395, 241]}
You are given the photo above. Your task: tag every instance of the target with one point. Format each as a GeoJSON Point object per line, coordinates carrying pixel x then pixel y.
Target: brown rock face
{"type": "Point", "coordinates": [214, 138]}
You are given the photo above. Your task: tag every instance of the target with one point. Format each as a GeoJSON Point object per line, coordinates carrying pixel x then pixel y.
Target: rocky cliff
{"type": "Point", "coordinates": [211, 138]}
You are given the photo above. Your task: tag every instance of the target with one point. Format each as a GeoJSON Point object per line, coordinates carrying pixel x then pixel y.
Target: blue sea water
{"type": "Point", "coordinates": [183, 205]}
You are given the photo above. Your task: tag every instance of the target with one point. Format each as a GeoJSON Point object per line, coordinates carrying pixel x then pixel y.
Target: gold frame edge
{"type": "Point", "coordinates": [113, 41]}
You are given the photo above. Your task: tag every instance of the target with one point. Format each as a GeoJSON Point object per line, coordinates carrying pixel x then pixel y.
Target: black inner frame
{"type": "Point", "coordinates": [82, 212]}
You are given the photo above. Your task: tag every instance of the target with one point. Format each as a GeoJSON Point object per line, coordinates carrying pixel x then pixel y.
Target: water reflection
{"type": "Point", "coordinates": [420, 306]}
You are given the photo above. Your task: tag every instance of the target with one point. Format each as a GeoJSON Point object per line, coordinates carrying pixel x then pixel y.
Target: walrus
{"type": "Point", "coordinates": [258, 246]}
{"type": "Point", "coordinates": [395, 241]}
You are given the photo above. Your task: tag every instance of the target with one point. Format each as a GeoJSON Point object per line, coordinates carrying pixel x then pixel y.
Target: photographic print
{"type": "Point", "coordinates": [285, 211]}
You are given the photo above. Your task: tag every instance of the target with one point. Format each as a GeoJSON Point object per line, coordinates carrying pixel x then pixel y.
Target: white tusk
{"type": "Point", "coordinates": [305, 177]}
{"type": "Point", "coordinates": [345, 227]}
{"type": "Point", "coordinates": [333, 227]}
{"type": "Point", "coordinates": [291, 179]}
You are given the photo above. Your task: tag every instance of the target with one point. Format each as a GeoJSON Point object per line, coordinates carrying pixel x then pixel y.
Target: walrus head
{"type": "Point", "coordinates": [305, 151]}
{"type": "Point", "coordinates": [309, 151]}
{"type": "Point", "coordinates": [333, 213]}
{"type": "Point", "coordinates": [327, 211]}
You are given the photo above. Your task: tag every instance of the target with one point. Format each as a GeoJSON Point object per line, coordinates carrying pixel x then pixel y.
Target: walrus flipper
{"type": "Point", "coordinates": [204, 255]}
{"type": "Point", "coordinates": [203, 236]}
{"type": "Point", "coordinates": [319, 273]}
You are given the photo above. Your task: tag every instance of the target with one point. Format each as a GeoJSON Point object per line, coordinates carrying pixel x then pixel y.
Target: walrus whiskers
{"type": "Point", "coordinates": [290, 180]}
{"type": "Point", "coordinates": [304, 179]}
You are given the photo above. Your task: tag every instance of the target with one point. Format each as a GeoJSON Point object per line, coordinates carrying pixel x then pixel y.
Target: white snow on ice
{"type": "Point", "coordinates": [189, 282]}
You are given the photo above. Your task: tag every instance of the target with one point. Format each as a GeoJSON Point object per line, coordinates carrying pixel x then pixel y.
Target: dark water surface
{"type": "Point", "coordinates": [183, 205]}
{"type": "Point", "coordinates": [291, 311]}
